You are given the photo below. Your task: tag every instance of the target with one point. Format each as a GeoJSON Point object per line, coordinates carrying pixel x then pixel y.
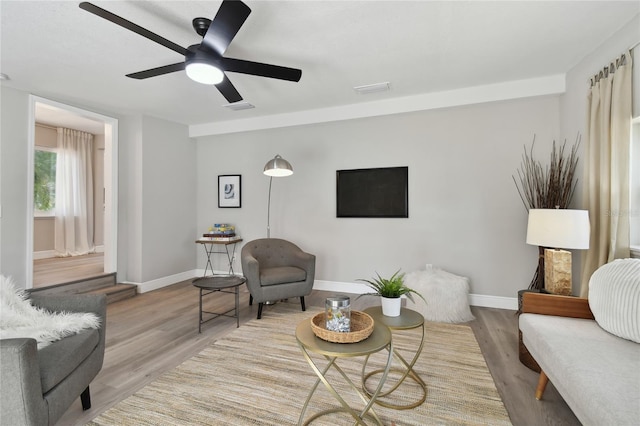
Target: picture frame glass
{"type": "Point", "coordinates": [229, 191]}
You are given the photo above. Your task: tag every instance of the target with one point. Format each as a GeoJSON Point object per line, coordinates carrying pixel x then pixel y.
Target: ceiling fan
{"type": "Point", "coordinates": [205, 62]}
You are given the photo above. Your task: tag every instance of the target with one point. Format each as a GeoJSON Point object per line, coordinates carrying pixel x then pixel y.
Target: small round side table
{"type": "Point", "coordinates": [407, 320]}
{"type": "Point", "coordinates": [222, 284]}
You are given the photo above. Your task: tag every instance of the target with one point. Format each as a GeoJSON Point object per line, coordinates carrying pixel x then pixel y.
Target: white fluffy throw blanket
{"type": "Point", "coordinates": [447, 295]}
{"type": "Point", "coordinates": [19, 319]}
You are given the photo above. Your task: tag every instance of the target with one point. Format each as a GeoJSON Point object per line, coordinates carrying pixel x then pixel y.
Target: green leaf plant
{"type": "Point", "coordinates": [389, 287]}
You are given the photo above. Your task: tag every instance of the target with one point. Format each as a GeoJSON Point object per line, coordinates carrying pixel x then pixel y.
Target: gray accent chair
{"type": "Point", "coordinates": [38, 386]}
{"type": "Point", "coordinates": [277, 269]}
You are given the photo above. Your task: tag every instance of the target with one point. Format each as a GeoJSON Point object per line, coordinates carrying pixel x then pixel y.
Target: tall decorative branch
{"type": "Point", "coordinates": [547, 188]}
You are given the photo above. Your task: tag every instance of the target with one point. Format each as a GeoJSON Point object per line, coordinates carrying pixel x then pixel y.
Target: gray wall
{"type": "Point", "coordinates": [573, 105]}
{"type": "Point", "coordinates": [168, 196]}
{"type": "Point", "coordinates": [156, 202]}
{"type": "Point", "coordinates": [14, 109]}
{"type": "Point", "coordinates": [465, 214]}
{"type": "Point", "coordinates": [157, 194]}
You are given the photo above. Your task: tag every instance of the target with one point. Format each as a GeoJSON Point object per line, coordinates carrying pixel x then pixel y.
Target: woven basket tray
{"type": "Point", "coordinates": [361, 328]}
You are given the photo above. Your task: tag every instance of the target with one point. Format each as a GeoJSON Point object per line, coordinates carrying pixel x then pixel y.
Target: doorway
{"type": "Point", "coordinates": [43, 268]}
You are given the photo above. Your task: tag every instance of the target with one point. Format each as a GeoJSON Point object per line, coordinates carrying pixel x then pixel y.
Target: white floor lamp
{"type": "Point", "coordinates": [276, 167]}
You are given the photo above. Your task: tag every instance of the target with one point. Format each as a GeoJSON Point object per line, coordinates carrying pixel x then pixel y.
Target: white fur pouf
{"type": "Point", "coordinates": [446, 295]}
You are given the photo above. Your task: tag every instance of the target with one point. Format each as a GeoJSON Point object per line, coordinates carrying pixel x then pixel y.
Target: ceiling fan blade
{"type": "Point", "coordinates": [89, 7]}
{"type": "Point", "coordinates": [154, 72]}
{"type": "Point", "coordinates": [263, 70]}
{"type": "Point", "coordinates": [229, 91]}
{"type": "Point", "coordinates": [225, 25]}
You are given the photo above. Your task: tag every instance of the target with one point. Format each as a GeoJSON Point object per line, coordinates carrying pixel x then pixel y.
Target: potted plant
{"type": "Point", "coordinates": [390, 290]}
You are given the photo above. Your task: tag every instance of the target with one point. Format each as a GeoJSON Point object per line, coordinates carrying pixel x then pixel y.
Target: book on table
{"type": "Point", "coordinates": [221, 239]}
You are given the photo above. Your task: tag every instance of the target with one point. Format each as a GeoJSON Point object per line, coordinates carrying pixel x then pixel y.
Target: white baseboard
{"type": "Point", "coordinates": [354, 288]}
{"type": "Point", "coordinates": [48, 254]}
{"type": "Point", "coordinates": [44, 254]}
{"type": "Point", "coordinates": [164, 281]}
{"type": "Point", "coordinates": [498, 302]}
{"type": "Point", "coordinates": [474, 299]}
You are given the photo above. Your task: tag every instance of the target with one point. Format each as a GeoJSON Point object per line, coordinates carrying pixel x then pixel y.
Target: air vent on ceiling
{"type": "Point", "coordinates": [238, 106]}
{"type": "Point", "coordinates": [372, 88]}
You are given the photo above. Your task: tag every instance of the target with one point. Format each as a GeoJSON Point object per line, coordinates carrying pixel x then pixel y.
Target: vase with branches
{"type": "Point", "coordinates": [548, 187]}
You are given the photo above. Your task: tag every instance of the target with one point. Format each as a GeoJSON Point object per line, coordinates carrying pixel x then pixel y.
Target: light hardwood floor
{"type": "Point", "coordinates": [57, 270]}
{"type": "Point", "coordinates": [156, 331]}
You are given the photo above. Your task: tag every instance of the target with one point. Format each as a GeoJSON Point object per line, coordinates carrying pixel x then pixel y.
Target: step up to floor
{"type": "Point", "coordinates": [103, 284]}
{"type": "Point", "coordinates": [116, 292]}
{"type": "Point", "coordinates": [79, 286]}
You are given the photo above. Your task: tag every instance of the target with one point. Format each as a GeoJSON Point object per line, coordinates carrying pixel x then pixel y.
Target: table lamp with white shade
{"type": "Point", "coordinates": [558, 229]}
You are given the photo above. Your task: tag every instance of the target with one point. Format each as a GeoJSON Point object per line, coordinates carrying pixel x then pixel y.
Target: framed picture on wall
{"type": "Point", "coordinates": [229, 191]}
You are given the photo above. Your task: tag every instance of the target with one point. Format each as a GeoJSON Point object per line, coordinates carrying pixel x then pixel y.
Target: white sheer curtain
{"type": "Point", "coordinates": [607, 166]}
{"type": "Point", "coordinates": [74, 193]}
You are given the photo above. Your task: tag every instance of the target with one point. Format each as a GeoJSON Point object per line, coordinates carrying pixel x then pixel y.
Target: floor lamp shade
{"type": "Point", "coordinates": [558, 229]}
{"type": "Point", "coordinates": [276, 167]}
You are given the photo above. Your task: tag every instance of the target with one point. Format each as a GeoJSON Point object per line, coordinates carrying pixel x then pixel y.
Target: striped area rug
{"type": "Point", "coordinates": [256, 375]}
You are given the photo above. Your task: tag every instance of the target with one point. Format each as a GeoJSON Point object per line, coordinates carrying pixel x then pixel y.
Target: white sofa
{"type": "Point", "coordinates": [578, 346]}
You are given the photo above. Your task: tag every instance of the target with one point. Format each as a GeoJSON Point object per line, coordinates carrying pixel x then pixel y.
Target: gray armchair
{"type": "Point", "coordinates": [277, 269]}
{"type": "Point", "coordinates": [38, 386]}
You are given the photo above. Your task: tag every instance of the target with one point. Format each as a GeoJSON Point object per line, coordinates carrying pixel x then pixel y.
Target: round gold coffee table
{"type": "Point", "coordinates": [379, 339]}
{"type": "Point", "coordinates": [407, 320]}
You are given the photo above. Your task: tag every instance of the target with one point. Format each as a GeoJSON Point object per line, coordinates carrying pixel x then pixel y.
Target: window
{"type": "Point", "coordinates": [634, 200]}
{"type": "Point", "coordinates": [44, 182]}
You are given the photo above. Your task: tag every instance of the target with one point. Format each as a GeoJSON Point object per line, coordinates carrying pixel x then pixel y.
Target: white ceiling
{"type": "Point", "coordinates": [56, 50]}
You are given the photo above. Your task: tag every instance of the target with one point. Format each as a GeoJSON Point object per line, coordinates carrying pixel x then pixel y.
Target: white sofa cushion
{"type": "Point", "coordinates": [614, 298]}
{"type": "Point", "coordinates": [596, 372]}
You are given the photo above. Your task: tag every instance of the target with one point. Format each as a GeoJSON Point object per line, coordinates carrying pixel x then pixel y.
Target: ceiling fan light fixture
{"type": "Point", "coordinates": [204, 73]}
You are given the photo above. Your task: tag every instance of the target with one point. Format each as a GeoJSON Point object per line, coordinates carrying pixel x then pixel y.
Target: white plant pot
{"type": "Point", "coordinates": [391, 306]}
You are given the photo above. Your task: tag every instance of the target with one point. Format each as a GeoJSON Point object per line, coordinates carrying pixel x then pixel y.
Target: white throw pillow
{"type": "Point", "coordinates": [614, 298]}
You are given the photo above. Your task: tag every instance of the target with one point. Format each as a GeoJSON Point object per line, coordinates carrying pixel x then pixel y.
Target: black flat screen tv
{"type": "Point", "coordinates": [379, 192]}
